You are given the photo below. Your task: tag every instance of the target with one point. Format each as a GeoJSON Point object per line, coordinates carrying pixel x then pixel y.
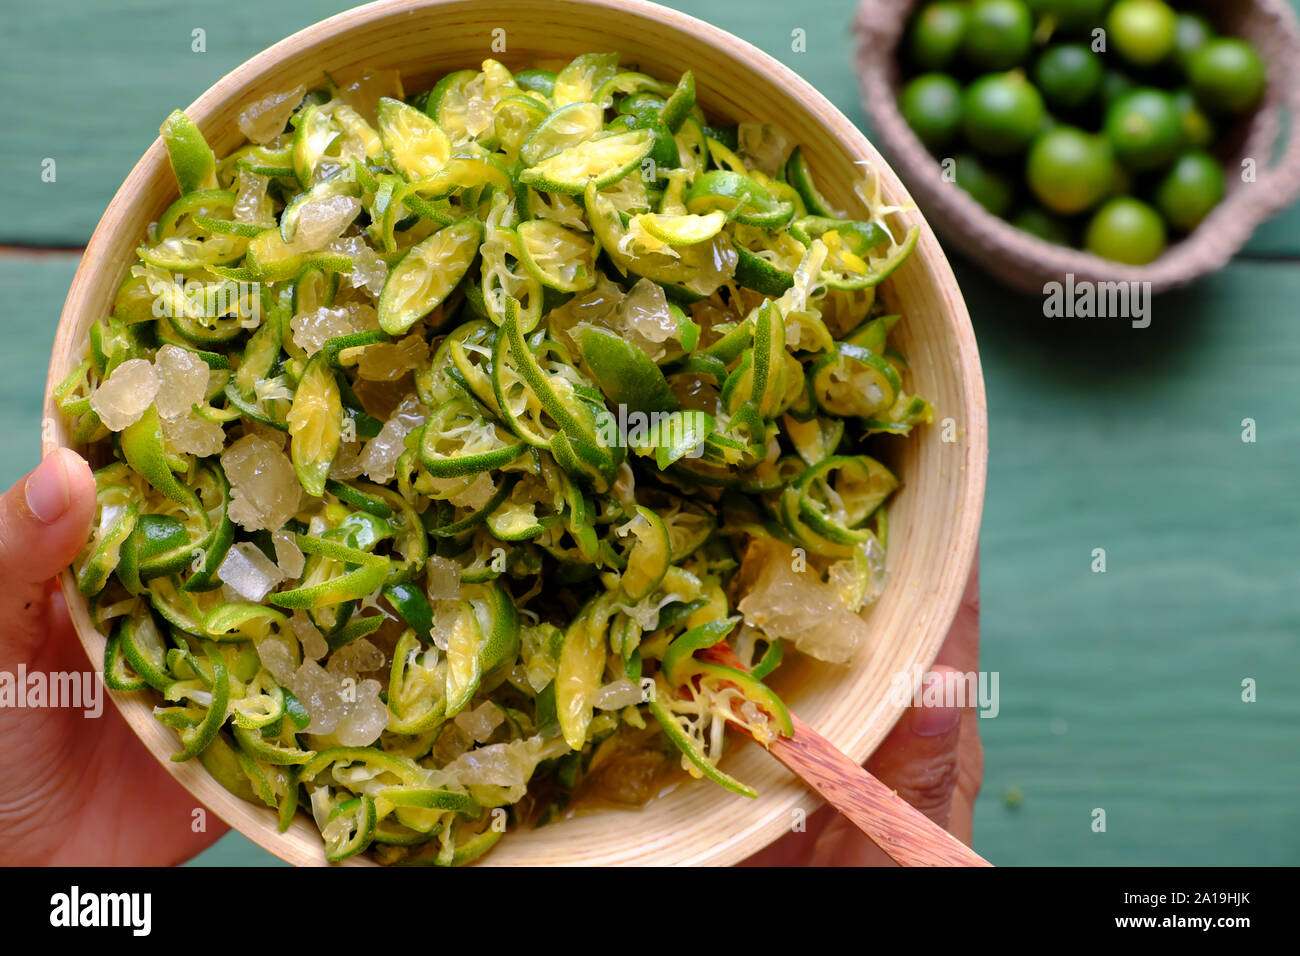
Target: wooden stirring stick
{"type": "Point", "coordinates": [905, 833]}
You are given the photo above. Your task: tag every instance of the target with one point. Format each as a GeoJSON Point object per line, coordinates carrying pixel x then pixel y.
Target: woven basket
{"type": "Point", "coordinates": [1271, 136]}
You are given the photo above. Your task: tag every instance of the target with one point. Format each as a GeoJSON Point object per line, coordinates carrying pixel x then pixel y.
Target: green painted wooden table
{"type": "Point", "coordinates": [1119, 690]}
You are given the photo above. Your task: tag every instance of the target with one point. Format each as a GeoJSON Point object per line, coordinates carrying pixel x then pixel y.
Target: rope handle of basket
{"type": "Point", "coordinates": [1277, 183]}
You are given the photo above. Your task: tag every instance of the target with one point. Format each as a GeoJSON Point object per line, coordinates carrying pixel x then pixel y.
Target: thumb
{"type": "Point", "coordinates": [919, 758]}
{"type": "Point", "coordinates": [44, 522]}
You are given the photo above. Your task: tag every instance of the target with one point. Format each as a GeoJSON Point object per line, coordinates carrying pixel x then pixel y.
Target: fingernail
{"type": "Point", "coordinates": [934, 720]}
{"type": "Point", "coordinates": [48, 495]}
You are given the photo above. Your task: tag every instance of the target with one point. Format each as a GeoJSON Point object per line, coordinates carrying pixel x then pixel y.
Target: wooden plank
{"type": "Point", "coordinates": [234, 849]}
{"type": "Point", "coordinates": [34, 288]}
{"type": "Point", "coordinates": [106, 85]}
{"type": "Point", "coordinates": [1119, 691]}
{"type": "Point", "coordinates": [109, 74]}
{"type": "Point", "coordinates": [1122, 691]}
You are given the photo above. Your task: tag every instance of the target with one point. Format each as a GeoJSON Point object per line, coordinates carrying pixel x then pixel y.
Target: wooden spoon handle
{"type": "Point", "coordinates": [890, 822]}
{"type": "Point", "coordinates": [907, 835]}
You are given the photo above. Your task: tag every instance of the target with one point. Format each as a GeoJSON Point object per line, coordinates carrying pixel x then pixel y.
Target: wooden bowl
{"type": "Point", "coordinates": [935, 519]}
{"type": "Point", "coordinates": [1270, 136]}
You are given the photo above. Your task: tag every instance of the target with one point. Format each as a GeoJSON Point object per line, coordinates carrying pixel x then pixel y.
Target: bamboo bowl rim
{"type": "Point", "coordinates": [926, 603]}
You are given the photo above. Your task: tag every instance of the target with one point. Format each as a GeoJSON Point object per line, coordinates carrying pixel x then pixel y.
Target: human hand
{"type": "Point", "coordinates": [932, 757]}
{"type": "Point", "coordinates": [74, 789]}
